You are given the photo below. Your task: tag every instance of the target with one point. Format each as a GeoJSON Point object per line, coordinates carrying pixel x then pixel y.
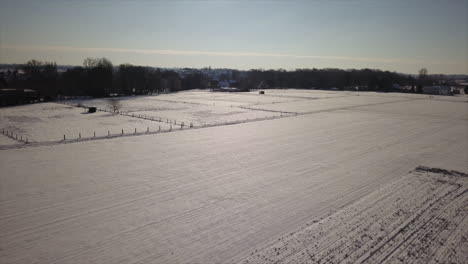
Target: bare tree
{"type": "Point", "coordinates": [423, 73]}
{"type": "Point", "coordinates": [114, 105]}
{"type": "Point", "coordinates": [423, 80]}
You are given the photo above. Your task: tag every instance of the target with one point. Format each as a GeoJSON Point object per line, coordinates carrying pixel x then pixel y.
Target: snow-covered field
{"type": "Point", "coordinates": [200, 108]}
{"type": "Point", "coordinates": [419, 217]}
{"type": "Point", "coordinates": [329, 103]}
{"type": "Point", "coordinates": [226, 99]}
{"type": "Point", "coordinates": [5, 140]}
{"type": "Point", "coordinates": [50, 121]}
{"type": "Point", "coordinates": [349, 180]}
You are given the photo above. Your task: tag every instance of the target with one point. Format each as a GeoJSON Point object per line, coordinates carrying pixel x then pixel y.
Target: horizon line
{"type": "Point", "coordinates": [208, 53]}
{"type": "Point", "coordinates": [225, 54]}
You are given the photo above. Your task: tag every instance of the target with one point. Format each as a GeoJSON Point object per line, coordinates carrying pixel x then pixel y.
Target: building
{"type": "Point", "coordinates": [171, 84]}
{"type": "Point", "coordinates": [223, 83]}
{"type": "Point", "coordinates": [17, 96]}
{"type": "Point", "coordinates": [437, 90]}
{"type": "Point", "coordinates": [230, 89]}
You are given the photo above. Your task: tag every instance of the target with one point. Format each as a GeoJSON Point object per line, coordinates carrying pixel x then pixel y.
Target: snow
{"type": "Point", "coordinates": [193, 97]}
{"type": "Point", "coordinates": [7, 141]}
{"type": "Point", "coordinates": [327, 104]}
{"type": "Point", "coordinates": [207, 115]}
{"type": "Point", "coordinates": [50, 121]}
{"type": "Point", "coordinates": [234, 193]}
{"type": "Point", "coordinates": [424, 109]}
{"type": "Point", "coordinates": [418, 217]}
{"type": "Point", "coordinates": [201, 108]}
{"type": "Point", "coordinates": [226, 99]}
{"type": "Point", "coordinates": [304, 94]}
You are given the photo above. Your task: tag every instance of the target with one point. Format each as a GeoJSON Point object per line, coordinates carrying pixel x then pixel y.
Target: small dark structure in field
{"type": "Point", "coordinates": [261, 92]}
{"type": "Point", "coordinates": [92, 109]}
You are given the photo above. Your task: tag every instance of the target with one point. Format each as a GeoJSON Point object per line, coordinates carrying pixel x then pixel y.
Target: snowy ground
{"type": "Point", "coordinates": [50, 121]}
{"type": "Point", "coordinates": [201, 108]}
{"type": "Point", "coordinates": [420, 217]}
{"type": "Point", "coordinates": [6, 141]}
{"type": "Point", "coordinates": [350, 181]}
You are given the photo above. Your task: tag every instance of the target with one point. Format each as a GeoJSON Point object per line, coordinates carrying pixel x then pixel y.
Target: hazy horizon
{"type": "Point", "coordinates": [400, 36]}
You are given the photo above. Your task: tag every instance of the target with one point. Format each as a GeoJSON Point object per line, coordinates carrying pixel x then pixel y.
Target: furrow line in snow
{"type": "Point", "coordinates": [432, 199]}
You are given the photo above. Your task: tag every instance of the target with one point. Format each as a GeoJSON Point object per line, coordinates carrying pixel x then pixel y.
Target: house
{"type": "Point", "coordinates": [171, 84]}
{"type": "Point", "coordinates": [437, 90]}
{"type": "Point", "coordinates": [229, 89]}
{"type": "Point", "coordinates": [223, 83]}
{"type": "Point", "coordinates": [10, 96]}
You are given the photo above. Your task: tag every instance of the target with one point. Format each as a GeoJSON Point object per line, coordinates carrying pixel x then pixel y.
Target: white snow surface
{"type": "Point", "coordinates": [7, 141]}
{"type": "Point", "coordinates": [249, 192]}
{"type": "Point", "coordinates": [420, 217]}
{"type": "Point", "coordinates": [200, 108]}
{"type": "Point", "coordinates": [51, 121]}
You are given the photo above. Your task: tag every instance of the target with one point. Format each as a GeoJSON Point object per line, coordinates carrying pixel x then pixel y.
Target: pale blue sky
{"type": "Point", "coordinates": [398, 35]}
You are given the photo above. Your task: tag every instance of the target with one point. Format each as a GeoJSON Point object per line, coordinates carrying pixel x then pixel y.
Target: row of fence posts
{"type": "Point", "coordinates": [158, 119]}
{"type": "Point", "coordinates": [123, 133]}
{"type": "Point", "coordinates": [10, 134]}
{"type": "Point", "coordinates": [14, 136]}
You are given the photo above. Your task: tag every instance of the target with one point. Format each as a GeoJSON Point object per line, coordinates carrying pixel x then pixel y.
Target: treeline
{"type": "Point", "coordinates": [98, 77]}
{"type": "Point", "coordinates": [366, 79]}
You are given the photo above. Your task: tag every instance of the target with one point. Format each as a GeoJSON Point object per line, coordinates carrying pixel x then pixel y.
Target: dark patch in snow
{"type": "Point", "coordinates": [441, 171]}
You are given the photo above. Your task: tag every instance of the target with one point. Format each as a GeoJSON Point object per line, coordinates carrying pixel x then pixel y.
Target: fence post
{"type": "Point", "coordinates": [79, 135]}
{"type": "Point", "coordinates": [135, 130]}
{"type": "Point", "coordinates": [147, 130]}
{"type": "Point", "coordinates": [27, 140]}
{"type": "Point", "coordinates": [108, 133]}
{"type": "Point", "coordinates": [122, 131]}
{"type": "Point", "coordinates": [64, 137]}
